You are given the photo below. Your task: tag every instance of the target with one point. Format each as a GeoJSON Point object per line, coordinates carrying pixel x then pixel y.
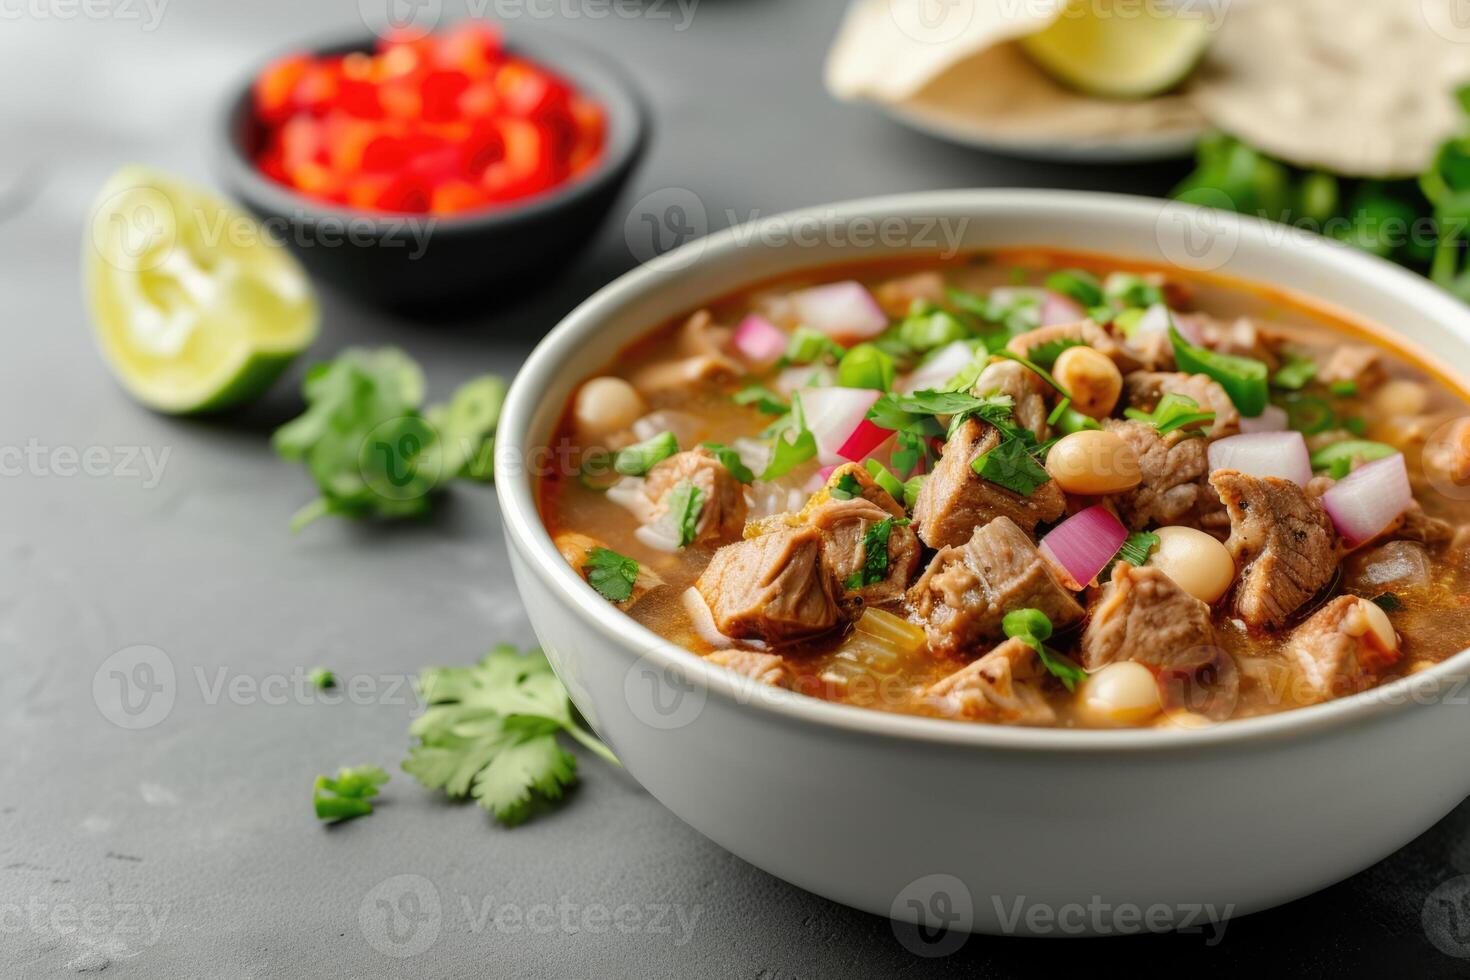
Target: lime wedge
{"type": "Point", "coordinates": [1121, 49]}
{"type": "Point", "coordinates": [194, 306]}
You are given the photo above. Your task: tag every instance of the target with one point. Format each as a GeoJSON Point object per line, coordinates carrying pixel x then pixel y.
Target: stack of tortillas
{"type": "Point", "coordinates": [1356, 87]}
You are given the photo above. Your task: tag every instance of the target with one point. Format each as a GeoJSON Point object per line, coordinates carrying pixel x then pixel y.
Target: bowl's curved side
{"type": "Point", "coordinates": [873, 809]}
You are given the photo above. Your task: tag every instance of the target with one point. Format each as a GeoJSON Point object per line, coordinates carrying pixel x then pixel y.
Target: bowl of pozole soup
{"type": "Point", "coordinates": [1044, 529]}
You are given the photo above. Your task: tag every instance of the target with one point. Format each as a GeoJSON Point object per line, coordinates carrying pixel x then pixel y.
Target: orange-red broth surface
{"type": "Point", "coordinates": [1432, 617]}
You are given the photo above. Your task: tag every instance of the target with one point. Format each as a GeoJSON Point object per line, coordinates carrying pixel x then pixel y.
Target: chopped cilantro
{"type": "Point", "coordinates": [347, 795]}
{"type": "Point", "coordinates": [1294, 374]}
{"type": "Point", "coordinates": [847, 486]}
{"type": "Point", "coordinates": [1033, 628]}
{"type": "Point", "coordinates": [875, 555]}
{"type": "Point", "coordinates": [1045, 355]}
{"type": "Point", "coordinates": [808, 346]}
{"type": "Point", "coordinates": [611, 574]}
{"type": "Point", "coordinates": [730, 460]}
{"type": "Point", "coordinates": [639, 458]}
{"type": "Point", "coordinates": [1012, 465]}
{"type": "Point", "coordinates": [787, 455]}
{"type": "Point", "coordinates": [490, 732]}
{"type": "Point", "coordinates": [1135, 551]}
{"type": "Point", "coordinates": [928, 328]}
{"type": "Point", "coordinates": [685, 503]}
{"type": "Point", "coordinates": [766, 401]}
{"type": "Point", "coordinates": [1036, 369]}
{"type": "Point", "coordinates": [322, 679]}
{"type": "Point", "coordinates": [1173, 412]}
{"type": "Point", "coordinates": [1079, 284]}
{"type": "Point", "coordinates": [1344, 389]}
{"type": "Point", "coordinates": [1338, 458]}
{"type": "Point", "coordinates": [1131, 291]}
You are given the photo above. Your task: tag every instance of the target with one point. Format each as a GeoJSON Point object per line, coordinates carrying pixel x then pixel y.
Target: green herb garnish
{"type": "Point", "coordinates": [1032, 628]}
{"type": "Point", "coordinates": [685, 502]}
{"type": "Point", "coordinates": [1131, 292]}
{"type": "Point", "coordinates": [1295, 373]}
{"type": "Point", "coordinates": [1308, 414]}
{"type": "Point", "coordinates": [639, 458]}
{"type": "Point", "coordinates": [928, 328]}
{"type": "Point", "coordinates": [787, 455]}
{"type": "Point", "coordinates": [1078, 284]}
{"type": "Point", "coordinates": [349, 794]}
{"type": "Point", "coordinates": [1012, 465]}
{"type": "Point", "coordinates": [847, 486]}
{"type": "Point", "coordinates": [611, 574]}
{"type": "Point", "coordinates": [490, 733]}
{"type": "Point", "coordinates": [730, 460]}
{"type": "Point", "coordinates": [885, 479]}
{"type": "Point", "coordinates": [1344, 389]}
{"type": "Point", "coordinates": [808, 346]}
{"type": "Point", "coordinates": [1337, 459]}
{"type": "Point", "coordinates": [369, 446]}
{"type": "Point", "coordinates": [1173, 412]}
{"type": "Point", "coordinates": [1134, 550]}
{"type": "Point", "coordinates": [875, 556]}
{"type": "Point", "coordinates": [1243, 378]}
{"type": "Point", "coordinates": [766, 401]}
{"type": "Point", "coordinates": [322, 679]}
{"type": "Point", "coordinates": [1388, 602]}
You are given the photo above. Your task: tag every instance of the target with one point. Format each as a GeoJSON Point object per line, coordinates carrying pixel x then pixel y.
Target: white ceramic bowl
{"type": "Point", "coordinates": [986, 828]}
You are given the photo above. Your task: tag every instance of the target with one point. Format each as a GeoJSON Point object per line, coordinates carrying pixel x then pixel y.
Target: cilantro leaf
{"type": "Point", "coordinates": [875, 556]}
{"type": "Point", "coordinates": [347, 795]}
{"type": "Point", "coordinates": [490, 733]}
{"type": "Point", "coordinates": [807, 346]}
{"type": "Point", "coordinates": [1045, 355]}
{"type": "Point", "coordinates": [611, 574]}
{"type": "Point", "coordinates": [1295, 373]}
{"type": "Point", "coordinates": [370, 448]}
{"type": "Point", "coordinates": [847, 486]}
{"type": "Point", "coordinates": [1135, 550]}
{"type": "Point", "coordinates": [1173, 412]}
{"type": "Point", "coordinates": [1011, 465]}
{"type": "Point", "coordinates": [322, 679]}
{"type": "Point", "coordinates": [1079, 284]}
{"type": "Point", "coordinates": [730, 460]}
{"type": "Point", "coordinates": [685, 503]}
{"type": "Point", "coordinates": [766, 401]}
{"type": "Point", "coordinates": [1033, 628]}
{"type": "Point", "coordinates": [639, 458]}
{"type": "Point", "coordinates": [787, 455]}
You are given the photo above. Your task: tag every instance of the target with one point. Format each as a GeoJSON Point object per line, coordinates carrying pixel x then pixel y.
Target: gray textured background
{"type": "Point", "coordinates": [188, 849]}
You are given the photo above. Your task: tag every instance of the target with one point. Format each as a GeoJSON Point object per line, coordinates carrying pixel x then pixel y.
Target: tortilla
{"type": "Point", "coordinates": [889, 49]}
{"type": "Point", "coordinates": [1363, 89]}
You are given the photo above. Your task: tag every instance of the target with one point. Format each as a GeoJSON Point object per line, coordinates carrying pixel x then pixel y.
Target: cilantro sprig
{"type": "Point", "coordinates": [370, 445]}
{"type": "Point", "coordinates": [1135, 550]}
{"type": "Point", "coordinates": [491, 733]}
{"type": "Point", "coordinates": [875, 555]}
{"type": "Point", "coordinates": [611, 574]}
{"type": "Point", "coordinates": [730, 459]}
{"type": "Point", "coordinates": [347, 795]}
{"type": "Point", "coordinates": [1174, 412]}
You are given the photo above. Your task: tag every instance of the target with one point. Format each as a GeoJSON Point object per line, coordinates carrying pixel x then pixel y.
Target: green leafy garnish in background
{"type": "Point", "coordinates": [685, 503]}
{"type": "Point", "coordinates": [370, 447]}
{"type": "Point", "coordinates": [1135, 550]}
{"type": "Point", "coordinates": [875, 555]}
{"type": "Point", "coordinates": [349, 794]}
{"type": "Point", "coordinates": [322, 679]}
{"type": "Point", "coordinates": [730, 459]}
{"type": "Point", "coordinates": [490, 733]}
{"type": "Point", "coordinates": [1174, 411]}
{"type": "Point", "coordinates": [639, 458]}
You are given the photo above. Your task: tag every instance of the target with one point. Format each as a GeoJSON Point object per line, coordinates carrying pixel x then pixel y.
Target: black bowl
{"type": "Point", "coordinates": [429, 263]}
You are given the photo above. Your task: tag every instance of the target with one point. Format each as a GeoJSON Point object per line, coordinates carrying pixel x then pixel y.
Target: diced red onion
{"type": "Point", "coordinates": [942, 365]}
{"type": "Point", "coordinates": [1082, 545]}
{"type": "Point", "coordinates": [1273, 419]}
{"type": "Point", "coordinates": [1369, 499]}
{"type": "Point", "coordinates": [864, 441]}
{"type": "Point", "coordinates": [841, 310]}
{"type": "Point", "coordinates": [834, 416]}
{"type": "Point", "coordinates": [1280, 454]}
{"type": "Point", "coordinates": [1056, 308]}
{"type": "Point", "coordinates": [759, 340]}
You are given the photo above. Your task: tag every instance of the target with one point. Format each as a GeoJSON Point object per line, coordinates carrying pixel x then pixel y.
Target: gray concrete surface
{"type": "Point", "coordinates": [188, 849]}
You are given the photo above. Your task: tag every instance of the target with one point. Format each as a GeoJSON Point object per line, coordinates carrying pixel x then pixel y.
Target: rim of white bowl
{"type": "Point", "coordinates": [526, 532]}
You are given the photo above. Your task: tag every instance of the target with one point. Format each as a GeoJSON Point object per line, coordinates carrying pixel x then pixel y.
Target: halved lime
{"type": "Point", "coordinates": [194, 305]}
{"type": "Point", "coordinates": [1122, 49]}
